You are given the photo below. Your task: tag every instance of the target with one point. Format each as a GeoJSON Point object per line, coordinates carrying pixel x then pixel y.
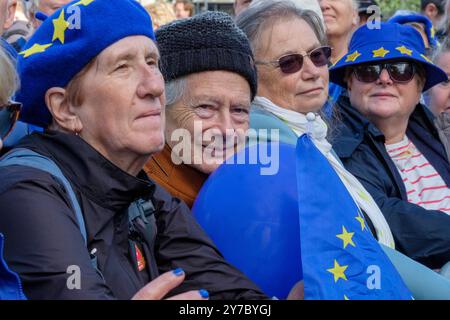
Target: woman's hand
{"type": "Point", "coordinates": [162, 285]}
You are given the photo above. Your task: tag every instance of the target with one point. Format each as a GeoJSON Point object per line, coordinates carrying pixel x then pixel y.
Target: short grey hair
{"type": "Point", "coordinates": [255, 19]}
{"type": "Point", "coordinates": [30, 7]}
{"type": "Point", "coordinates": [10, 80]}
{"type": "Point", "coordinates": [175, 90]}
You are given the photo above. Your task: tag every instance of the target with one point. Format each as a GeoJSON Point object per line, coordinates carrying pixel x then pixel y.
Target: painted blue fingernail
{"type": "Point", "coordinates": [178, 272]}
{"type": "Point", "coordinates": [204, 293]}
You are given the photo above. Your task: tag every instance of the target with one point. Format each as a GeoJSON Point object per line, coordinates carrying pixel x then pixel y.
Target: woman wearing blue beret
{"type": "Point", "coordinates": [81, 219]}
{"type": "Point", "coordinates": [388, 139]}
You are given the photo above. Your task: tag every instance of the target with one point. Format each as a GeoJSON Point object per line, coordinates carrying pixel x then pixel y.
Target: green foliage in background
{"type": "Point", "coordinates": [388, 7]}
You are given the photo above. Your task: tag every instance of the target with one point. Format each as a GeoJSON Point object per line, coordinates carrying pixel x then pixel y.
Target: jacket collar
{"type": "Point", "coordinates": [180, 180]}
{"type": "Point", "coordinates": [351, 132]}
{"type": "Point", "coordinates": [90, 172]}
{"type": "Point", "coordinates": [423, 117]}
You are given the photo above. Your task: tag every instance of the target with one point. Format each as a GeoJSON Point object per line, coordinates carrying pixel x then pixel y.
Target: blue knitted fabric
{"type": "Point", "coordinates": [67, 41]}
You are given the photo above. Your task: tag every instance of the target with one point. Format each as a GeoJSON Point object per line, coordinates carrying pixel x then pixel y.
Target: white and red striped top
{"type": "Point", "coordinates": [423, 184]}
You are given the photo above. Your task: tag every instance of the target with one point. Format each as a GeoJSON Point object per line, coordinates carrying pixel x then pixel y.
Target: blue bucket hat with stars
{"type": "Point", "coordinates": [427, 24]}
{"type": "Point", "coordinates": [392, 41]}
{"type": "Point", "coordinates": [67, 41]}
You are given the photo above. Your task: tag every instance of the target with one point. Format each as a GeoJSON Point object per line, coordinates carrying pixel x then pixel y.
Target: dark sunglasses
{"type": "Point", "coordinates": [9, 113]}
{"type": "Point", "coordinates": [292, 63]}
{"type": "Point", "coordinates": [401, 71]}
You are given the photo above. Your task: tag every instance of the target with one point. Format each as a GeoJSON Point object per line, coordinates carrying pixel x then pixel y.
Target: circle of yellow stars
{"type": "Point", "coordinates": [382, 53]}
{"type": "Point", "coordinates": [60, 25]}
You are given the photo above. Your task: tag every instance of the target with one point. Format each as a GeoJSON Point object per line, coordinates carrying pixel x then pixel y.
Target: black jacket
{"type": "Point", "coordinates": [421, 234]}
{"type": "Point", "coordinates": [43, 238]}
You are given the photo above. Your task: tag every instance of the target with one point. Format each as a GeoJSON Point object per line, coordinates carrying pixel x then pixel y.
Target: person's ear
{"type": "Point", "coordinates": [62, 112]}
{"type": "Point", "coordinates": [355, 19]}
{"type": "Point", "coordinates": [431, 10]}
{"type": "Point", "coordinates": [11, 12]}
{"type": "Point", "coordinates": [349, 80]}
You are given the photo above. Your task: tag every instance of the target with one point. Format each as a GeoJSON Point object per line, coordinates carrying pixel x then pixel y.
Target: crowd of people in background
{"type": "Point", "coordinates": [92, 173]}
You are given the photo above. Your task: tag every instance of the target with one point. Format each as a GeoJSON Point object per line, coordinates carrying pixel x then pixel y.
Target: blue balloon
{"type": "Point", "coordinates": [254, 220]}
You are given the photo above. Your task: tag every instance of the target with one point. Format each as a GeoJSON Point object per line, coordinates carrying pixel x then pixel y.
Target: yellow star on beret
{"type": "Point", "coordinates": [404, 50]}
{"type": "Point", "coordinates": [352, 57]}
{"type": "Point", "coordinates": [380, 53]}
{"type": "Point", "coordinates": [60, 25]}
{"type": "Point", "coordinates": [83, 2]}
{"type": "Point", "coordinates": [36, 48]}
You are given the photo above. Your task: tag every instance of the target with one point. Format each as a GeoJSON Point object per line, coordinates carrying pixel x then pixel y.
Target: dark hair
{"type": "Point", "coordinates": [438, 3]}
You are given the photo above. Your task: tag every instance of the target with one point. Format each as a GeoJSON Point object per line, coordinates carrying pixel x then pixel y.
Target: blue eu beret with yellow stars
{"type": "Point", "coordinates": [391, 41]}
{"type": "Point", "coordinates": [67, 41]}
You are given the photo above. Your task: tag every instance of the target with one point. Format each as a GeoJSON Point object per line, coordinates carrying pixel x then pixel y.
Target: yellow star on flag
{"type": "Point", "coordinates": [60, 25]}
{"type": "Point", "coordinates": [362, 222]}
{"type": "Point", "coordinates": [380, 53]}
{"type": "Point", "coordinates": [345, 297]}
{"type": "Point", "coordinates": [404, 50]}
{"type": "Point", "coordinates": [426, 58]}
{"type": "Point", "coordinates": [83, 2]}
{"type": "Point", "coordinates": [36, 48]}
{"type": "Point", "coordinates": [338, 271]}
{"type": "Point", "coordinates": [352, 57]}
{"type": "Point", "coordinates": [346, 237]}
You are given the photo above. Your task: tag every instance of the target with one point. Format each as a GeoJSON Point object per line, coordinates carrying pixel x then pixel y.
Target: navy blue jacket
{"type": "Point", "coordinates": [421, 234]}
{"type": "Point", "coordinates": [43, 238]}
{"type": "Point", "coordinates": [10, 285]}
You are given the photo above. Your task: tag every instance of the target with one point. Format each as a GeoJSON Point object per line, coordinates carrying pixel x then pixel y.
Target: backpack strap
{"type": "Point", "coordinates": [28, 158]}
{"type": "Point", "coordinates": [145, 210]}
{"type": "Point", "coordinates": [140, 208]}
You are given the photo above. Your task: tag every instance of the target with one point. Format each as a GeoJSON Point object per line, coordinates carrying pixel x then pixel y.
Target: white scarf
{"type": "Point", "coordinates": [317, 130]}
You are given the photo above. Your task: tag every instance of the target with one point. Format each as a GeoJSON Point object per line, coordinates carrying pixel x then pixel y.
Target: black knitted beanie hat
{"type": "Point", "coordinates": [205, 42]}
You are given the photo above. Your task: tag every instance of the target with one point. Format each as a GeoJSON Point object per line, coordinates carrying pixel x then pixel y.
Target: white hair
{"type": "Point", "coordinates": [10, 80]}
{"type": "Point", "coordinates": [175, 90]}
{"type": "Point", "coordinates": [312, 5]}
{"type": "Point", "coordinates": [30, 7]}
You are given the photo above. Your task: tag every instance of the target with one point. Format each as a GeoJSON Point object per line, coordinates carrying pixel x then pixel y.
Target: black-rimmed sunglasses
{"type": "Point", "coordinates": [292, 63]}
{"type": "Point", "coordinates": [401, 71]}
{"type": "Point", "coordinates": [9, 113]}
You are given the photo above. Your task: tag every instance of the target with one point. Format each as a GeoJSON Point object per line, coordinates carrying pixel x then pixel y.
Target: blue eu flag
{"type": "Point", "coordinates": [340, 257]}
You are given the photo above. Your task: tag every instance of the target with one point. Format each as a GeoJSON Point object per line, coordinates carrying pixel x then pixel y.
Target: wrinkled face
{"type": "Point", "coordinates": [212, 118]}
{"type": "Point", "coordinates": [385, 99]}
{"type": "Point", "coordinates": [303, 91]}
{"type": "Point", "coordinates": [339, 15]}
{"type": "Point", "coordinates": [241, 5]}
{"type": "Point", "coordinates": [180, 11]}
{"type": "Point", "coordinates": [440, 94]}
{"type": "Point", "coordinates": [122, 112]}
